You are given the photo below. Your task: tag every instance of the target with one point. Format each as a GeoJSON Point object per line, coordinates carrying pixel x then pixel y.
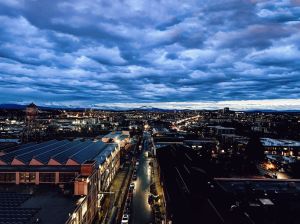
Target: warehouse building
{"type": "Point", "coordinates": [85, 168]}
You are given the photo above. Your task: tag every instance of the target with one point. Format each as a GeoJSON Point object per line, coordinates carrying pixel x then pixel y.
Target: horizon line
{"type": "Point", "coordinates": [238, 105]}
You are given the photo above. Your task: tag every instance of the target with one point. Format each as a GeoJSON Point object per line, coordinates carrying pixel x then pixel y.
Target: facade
{"type": "Point", "coordinates": [87, 167]}
{"type": "Point", "coordinates": [281, 147]}
{"type": "Point", "coordinates": [220, 130]}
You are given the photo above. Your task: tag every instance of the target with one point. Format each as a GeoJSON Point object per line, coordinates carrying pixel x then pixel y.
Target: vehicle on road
{"type": "Point", "coordinates": [130, 192]}
{"type": "Point", "coordinates": [132, 185]}
{"type": "Point", "coordinates": [128, 204]}
{"type": "Point", "coordinates": [125, 219]}
{"type": "Point", "coordinates": [134, 177]}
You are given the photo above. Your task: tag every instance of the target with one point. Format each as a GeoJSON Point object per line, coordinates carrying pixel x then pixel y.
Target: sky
{"type": "Point", "coordinates": [161, 53]}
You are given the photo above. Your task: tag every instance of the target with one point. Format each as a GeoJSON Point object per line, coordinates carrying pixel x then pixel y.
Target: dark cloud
{"type": "Point", "coordinates": [90, 52]}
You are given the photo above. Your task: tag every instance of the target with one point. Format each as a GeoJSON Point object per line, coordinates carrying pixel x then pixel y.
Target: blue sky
{"type": "Point", "coordinates": [138, 52]}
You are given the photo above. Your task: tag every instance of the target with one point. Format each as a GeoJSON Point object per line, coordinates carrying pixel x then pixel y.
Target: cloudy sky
{"type": "Point", "coordinates": [140, 52]}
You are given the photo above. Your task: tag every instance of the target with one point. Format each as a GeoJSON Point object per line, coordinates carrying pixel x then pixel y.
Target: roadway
{"type": "Point", "coordinates": [141, 210]}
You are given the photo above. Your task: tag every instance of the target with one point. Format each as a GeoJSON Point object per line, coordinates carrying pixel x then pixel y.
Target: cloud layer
{"type": "Point", "coordinates": [95, 52]}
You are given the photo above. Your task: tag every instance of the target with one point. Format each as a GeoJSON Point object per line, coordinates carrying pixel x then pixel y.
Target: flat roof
{"type": "Point", "coordinates": [116, 134]}
{"type": "Point", "coordinates": [279, 142]}
{"type": "Point", "coordinates": [221, 127]}
{"type": "Point", "coordinates": [26, 203]}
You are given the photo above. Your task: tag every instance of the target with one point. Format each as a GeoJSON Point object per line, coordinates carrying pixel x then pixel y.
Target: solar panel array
{"type": "Point", "coordinates": [45, 156]}
{"type": "Point", "coordinates": [89, 152]}
{"type": "Point", "coordinates": [66, 154]}
{"type": "Point", "coordinates": [27, 156]}
{"type": "Point", "coordinates": [59, 151]}
{"type": "Point", "coordinates": [100, 158]}
{"type": "Point", "coordinates": [22, 149]}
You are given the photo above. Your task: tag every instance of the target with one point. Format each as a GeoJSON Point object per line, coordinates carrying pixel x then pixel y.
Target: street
{"type": "Point", "coordinates": [141, 213]}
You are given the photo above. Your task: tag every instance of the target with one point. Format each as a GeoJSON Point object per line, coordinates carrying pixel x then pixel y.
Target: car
{"type": "Point", "coordinates": [127, 204]}
{"type": "Point", "coordinates": [127, 210]}
{"type": "Point", "coordinates": [132, 185]}
{"type": "Point", "coordinates": [137, 163]}
{"type": "Point", "coordinates": [130, 192]}
{"type": "Point", "coordinates": [125, 219]}
{"type": "Point", "coordinates": [134, 177]}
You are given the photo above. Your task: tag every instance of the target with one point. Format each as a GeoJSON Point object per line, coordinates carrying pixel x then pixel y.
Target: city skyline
{"type": "Point", "coordinates": [170, 55]}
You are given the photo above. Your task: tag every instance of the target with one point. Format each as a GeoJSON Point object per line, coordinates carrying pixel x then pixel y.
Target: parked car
{"type": "Point", "coordinates": [130, 192]}
{"type": "Point", "coordinates": [125, 219]}
{"type": "Point", "coordinates": [132, 185]}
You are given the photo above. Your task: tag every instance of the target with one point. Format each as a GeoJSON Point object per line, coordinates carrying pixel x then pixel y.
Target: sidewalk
{"type": "Point", "coordinates": [120, 200]}
{"type": "Point", "coordinates": [159, 190]}
{"type": "Point", "coordinates": [110, 200]}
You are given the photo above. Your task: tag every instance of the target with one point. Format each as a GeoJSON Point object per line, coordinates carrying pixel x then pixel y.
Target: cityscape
{"type": "Point", "coordinates": [149, 166]}
{"type": "Point", "coordinates": [150, 112]}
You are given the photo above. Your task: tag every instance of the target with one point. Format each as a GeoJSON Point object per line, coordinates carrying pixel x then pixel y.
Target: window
{"type": "Point", "coordinates": [47, 177]}
{"type": "Point", "coordinates": [27, 177]}
{"type": "Point", "coordinates": [7, 177]}
{"type": "Point", "coordinates": [66, 177]}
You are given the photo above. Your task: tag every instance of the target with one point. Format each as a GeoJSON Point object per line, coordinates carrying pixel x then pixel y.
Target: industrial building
{"type": "Point", "coordinates": [81, 169]}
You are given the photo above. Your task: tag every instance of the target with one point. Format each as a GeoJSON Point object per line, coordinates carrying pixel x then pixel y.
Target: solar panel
{"type": "Point", "coordinates": [23, 149]}
{"type": "Point", "coordinates": [89, 152]}
{"type": "Point", "coordinates": [64, 155]}
{"type": "Point", "coordinates": [44, 157]}
{"type": "Point", "coordinates": [101, 157]}
{"type": "Point", "coordinates": [26, 157]}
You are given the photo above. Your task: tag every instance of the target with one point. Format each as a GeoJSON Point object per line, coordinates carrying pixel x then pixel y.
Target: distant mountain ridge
{"type": "Point", "coordinates": [142, 108]}
{"type": "Point", "coordinates": [23, 107]}
{"type": "Point", "coordinates": [12, 106]}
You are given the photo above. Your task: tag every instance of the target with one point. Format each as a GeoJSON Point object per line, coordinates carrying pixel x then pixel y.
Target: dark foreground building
{"type": "Point", "coordinates": [185, 186]}
{"type": "Point", "coordinates": [193, 196]}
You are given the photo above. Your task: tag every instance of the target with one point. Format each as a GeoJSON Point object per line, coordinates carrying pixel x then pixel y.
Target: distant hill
{"type": "Point", "coordinates": [273, 111]}
{"type": "Point", "coordinates": [12, 106]}
{"type": "Point", "coordinates": [142, 108]}
{"type": "Point", "coordinates": [151, 109]}
{"type": "Point", "coordinates": [23, 107]}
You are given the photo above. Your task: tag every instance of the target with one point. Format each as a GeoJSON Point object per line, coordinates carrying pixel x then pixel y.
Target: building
{"type": "Point", "coordinates": [226, 110]}
{"type": "Point", "coordinates": [194, 196]}
{"type": "Point", "coordinates": [233, 138]}
{"type": "Point", "coordinates": [31, 116]}
{"type": "Point", "coordinates": [199, 144]}
{"type": "Point", "coordinates": [120, 137]}
{"type": "Point", "coordinates": [256, 201]}
{"type": "Point", "coordinates": [184, 185]}
{"type": "Point", "coordinates": [83, 168]}
{"type": "Point", "coordinates": [220, 130]}
{"type": "Point", "coordinates": [281, 147]}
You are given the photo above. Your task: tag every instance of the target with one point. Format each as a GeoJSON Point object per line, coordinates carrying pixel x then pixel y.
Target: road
{"type": "Point", "coordinates": [141, 213]}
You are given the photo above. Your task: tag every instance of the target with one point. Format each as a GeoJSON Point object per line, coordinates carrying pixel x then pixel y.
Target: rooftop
{"type": "Point", "coordinates": [279, 142]}
{"type": "Point", "coordinates": [55, 152]}
{"type": "Point", "coordinates": [24, 204]}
